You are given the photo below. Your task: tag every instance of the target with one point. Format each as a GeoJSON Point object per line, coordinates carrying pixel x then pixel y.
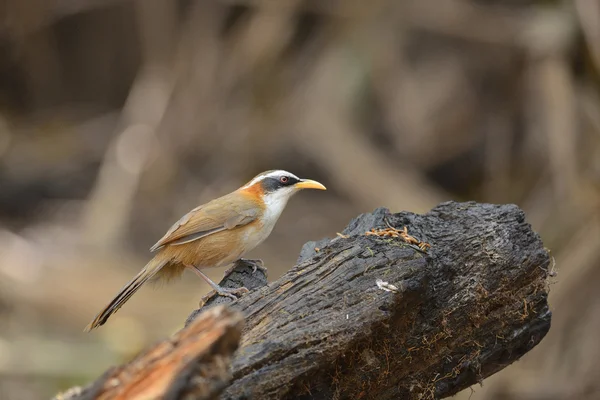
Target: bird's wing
{"type": "Point", "coordinates": [227, 212]}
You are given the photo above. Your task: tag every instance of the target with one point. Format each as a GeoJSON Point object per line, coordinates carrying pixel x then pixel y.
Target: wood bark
{"type": "Point", "coordinates": [194, 363]}
{"type": "Point", "coordinates": [373, 317]}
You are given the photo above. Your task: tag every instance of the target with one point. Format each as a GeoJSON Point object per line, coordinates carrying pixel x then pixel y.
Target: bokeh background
{"type": "Point", "coordinates": [118, 116]}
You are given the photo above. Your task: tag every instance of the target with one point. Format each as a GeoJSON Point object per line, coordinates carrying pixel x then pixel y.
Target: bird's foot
{"type": "Point", "coordinates": [231, 293]}
{"type": "Point", "coordinates": [255, 264]}
{"type": "Point", "coordinates": [220, 290]}
{"type": "Point", "coordinates": [225, 292]}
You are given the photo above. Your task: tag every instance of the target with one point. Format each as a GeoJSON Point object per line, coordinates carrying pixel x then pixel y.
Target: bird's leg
{"type": "Point", "coordinates": [232, 293]}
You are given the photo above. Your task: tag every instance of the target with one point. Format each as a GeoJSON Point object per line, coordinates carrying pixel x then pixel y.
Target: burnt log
{"type": "Point", "coordinates": [396, 306]}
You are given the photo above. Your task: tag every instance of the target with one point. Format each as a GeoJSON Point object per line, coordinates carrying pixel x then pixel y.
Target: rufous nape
{"type": "Point", "coordinates": [215, 234]}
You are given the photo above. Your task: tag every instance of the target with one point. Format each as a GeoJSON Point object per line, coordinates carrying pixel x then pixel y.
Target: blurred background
{"type": "Point", "coordinates": [119, 116]}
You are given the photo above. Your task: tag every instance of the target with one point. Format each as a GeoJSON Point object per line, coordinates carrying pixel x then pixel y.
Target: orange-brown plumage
{"type": "Point", "coordinates": [215, 234]}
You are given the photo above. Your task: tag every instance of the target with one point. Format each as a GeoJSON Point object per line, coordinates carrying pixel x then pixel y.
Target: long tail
{"type": "Point", "coordinates": [126, 292]}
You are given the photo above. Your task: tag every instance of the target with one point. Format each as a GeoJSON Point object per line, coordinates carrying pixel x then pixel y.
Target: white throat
{"type": "Point", "coordinates": [275, 202]}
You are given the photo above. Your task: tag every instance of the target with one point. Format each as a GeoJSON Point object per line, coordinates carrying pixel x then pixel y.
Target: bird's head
{"type": "Point", "coordinates": [276, 187]}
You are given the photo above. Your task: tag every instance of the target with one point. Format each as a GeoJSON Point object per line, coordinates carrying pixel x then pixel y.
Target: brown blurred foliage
{"type": "Point", "coordinates": [118, 116]}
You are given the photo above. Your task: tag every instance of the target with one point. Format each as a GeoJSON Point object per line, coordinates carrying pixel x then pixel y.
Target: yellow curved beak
{"type": "Point", "coordinates": [309, 184]}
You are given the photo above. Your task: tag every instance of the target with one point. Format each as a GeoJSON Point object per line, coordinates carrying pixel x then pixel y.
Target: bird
{"type": "Point", "coordinates": [215, 234]}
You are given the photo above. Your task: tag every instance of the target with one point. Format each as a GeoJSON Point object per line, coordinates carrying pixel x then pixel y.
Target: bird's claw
{"type": "Point", "coordinates": [256, 265]}
{"type": "Point", "coordinates": [231, 293]}
{"type": "Point", "coordinates": [258, 262]}
{"type": "Point", "coordinates": [225, 292]}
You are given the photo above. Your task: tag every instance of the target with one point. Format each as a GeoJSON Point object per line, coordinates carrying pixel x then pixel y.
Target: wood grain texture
{"type": "Point", "coordinates": [194, 363]}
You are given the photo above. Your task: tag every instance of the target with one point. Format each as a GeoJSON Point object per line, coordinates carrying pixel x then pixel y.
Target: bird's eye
{"type": "Point", "coordinates": [284, 179]}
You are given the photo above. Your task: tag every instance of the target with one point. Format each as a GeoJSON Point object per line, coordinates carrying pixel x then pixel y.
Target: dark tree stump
{"type": "Point", "coordinates": [374, 317]}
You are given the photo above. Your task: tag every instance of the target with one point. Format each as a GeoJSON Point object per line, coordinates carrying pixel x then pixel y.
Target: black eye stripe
{"type": "Point", "coordinates": [271, 184]}
{"type": "Point", "coordinates": [291, 181]}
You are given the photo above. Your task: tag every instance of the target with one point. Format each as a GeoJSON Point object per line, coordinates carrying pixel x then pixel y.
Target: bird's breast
{"type": "Point", "coordinates": [259, 230]}
{"type": "Point", "coordinates": [256, 233]}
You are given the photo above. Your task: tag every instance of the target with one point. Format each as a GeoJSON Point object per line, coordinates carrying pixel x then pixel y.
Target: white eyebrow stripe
{"type": "Point", "coordinates": [271, 174]}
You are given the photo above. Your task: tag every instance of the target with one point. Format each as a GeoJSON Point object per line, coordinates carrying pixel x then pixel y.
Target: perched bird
{"type": "Point", "coordinates": [215, 234]}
